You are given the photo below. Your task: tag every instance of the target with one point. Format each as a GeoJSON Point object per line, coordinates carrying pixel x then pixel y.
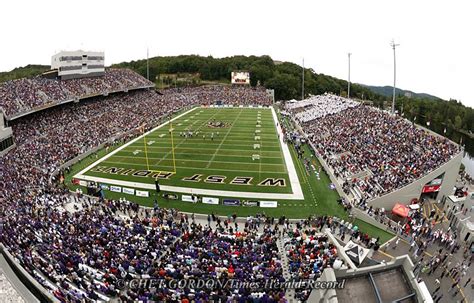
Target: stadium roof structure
{"type": "Point", "coordinates": [385, 286]}
{"type": "Point", "coordinates": [387, 282]}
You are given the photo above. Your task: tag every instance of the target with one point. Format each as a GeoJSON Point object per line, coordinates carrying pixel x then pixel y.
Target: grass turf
{"type": "Point", "coordinates": [319, 198]}
{"type": "Point", "coordinates": [211, 151]}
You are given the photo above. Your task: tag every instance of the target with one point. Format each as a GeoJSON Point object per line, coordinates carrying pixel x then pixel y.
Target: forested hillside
{"type": "Point", "coordinates": [387, 91]}
{"type": "Point", "coordinates": [23, 72]}
{"type": "Point", "coordinates": [283, 77]}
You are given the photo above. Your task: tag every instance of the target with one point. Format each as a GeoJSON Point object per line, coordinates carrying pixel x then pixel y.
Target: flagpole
{"type": "Point", "coordinates": [349, 77]}
{"type": "Point", "coordinates": [302, 83]}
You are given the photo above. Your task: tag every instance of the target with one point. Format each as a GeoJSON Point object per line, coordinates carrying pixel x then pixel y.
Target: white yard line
{"type": "Point", "coordinates": [195, 160]}
{"type": "Point", "coordinates": [198, 148]}
{"type": "Point", "coordinates": [249, 155]}
{"type": "Point", "coordinates": [190, 142]}
{"type": "Point", "coordinates": [200, 168]}
{"type": "Point", "coordinates": [295, 185]}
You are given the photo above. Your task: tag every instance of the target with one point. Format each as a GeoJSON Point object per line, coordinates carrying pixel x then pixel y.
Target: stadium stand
{"type": "Point", "coordinates": [206, 253]}
{"type": "Point", "coordinates": [24, 95]}
{"type": "Point", "coordinates": [80, 255]}
{"type": "Point", "coordinates": [370, 151]}
{"type": "Point", "coordinates": [319, 106]}
{"type": "Point", "coordinates": [232, 95]}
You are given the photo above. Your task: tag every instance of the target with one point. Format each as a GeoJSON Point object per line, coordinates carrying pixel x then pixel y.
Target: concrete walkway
{"type": "Point", "coordinates": [290, 293]}
{"type": "Point", "coordinates": [434, 280]}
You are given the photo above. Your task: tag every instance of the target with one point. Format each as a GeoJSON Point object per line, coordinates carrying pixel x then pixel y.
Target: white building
{"type": "Point", "coordinates": [78, 64]}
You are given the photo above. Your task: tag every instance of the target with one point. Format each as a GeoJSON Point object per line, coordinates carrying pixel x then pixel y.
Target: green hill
{"type": "Point", "coordinates": [387, 91]}
{"type": "Point", "coordinates": [283, 77]}
{"type": "Point", "coordinates": [23, 72]}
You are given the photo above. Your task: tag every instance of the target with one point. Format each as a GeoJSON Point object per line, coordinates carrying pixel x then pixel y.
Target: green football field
{"type": "Point", "coordinates": [199, 163]}
{"type": "Point", "coordinates": [235, 152]}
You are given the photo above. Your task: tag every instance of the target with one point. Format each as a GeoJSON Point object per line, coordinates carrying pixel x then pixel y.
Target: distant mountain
{"type": "Point", "coordinates": [388, 91]}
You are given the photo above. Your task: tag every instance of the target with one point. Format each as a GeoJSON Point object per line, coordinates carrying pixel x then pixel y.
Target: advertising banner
{"type": "Point", "coordinates": [129, 191]}
{"type": "Point", "coordinates": [269, 204]}
{"type": "Point", "coordinates": [209, 200]}
{"type": "Point", "coordinates": [142, 193]}
{"type": "Point", "coordinates": [116, 189]}
{"type": "Point", "coordinates": [231, 202]}
{"type": "Point", "coordinates": [187, 198]}
{"type": "Point", "coordinates": [430, 188]}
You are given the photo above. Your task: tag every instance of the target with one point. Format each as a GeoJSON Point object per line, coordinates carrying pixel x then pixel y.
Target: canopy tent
{"type": "Point", "coordinates": [401, 210]}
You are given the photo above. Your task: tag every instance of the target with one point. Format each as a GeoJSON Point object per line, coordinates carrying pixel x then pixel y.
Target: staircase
{"type": "Point", "coordinates": [290, 293]}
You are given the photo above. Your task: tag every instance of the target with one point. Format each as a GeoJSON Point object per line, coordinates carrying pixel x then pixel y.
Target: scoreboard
{"type": "Point", "coordinates": [240, 77]}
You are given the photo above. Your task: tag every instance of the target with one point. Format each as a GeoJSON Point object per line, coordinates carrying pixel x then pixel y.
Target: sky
{"type": "Point", "coordinates": [435, 54]}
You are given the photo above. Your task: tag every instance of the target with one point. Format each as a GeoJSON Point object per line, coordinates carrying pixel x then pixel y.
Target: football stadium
{"type": "Point", "coordinates": [152, 181]}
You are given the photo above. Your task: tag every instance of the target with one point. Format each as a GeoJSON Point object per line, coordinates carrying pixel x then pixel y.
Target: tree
{"type": "Point", "coordinates": [457, 122]}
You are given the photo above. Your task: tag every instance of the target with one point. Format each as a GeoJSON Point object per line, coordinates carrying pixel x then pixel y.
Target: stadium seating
{"type": "Point", "coordinates": [370, 151]}
{"type": "Point", "coordinates": [23, 95]}
{"type": "Point", "coordinates": [82, 254]}
{"type": "Point", "coordinates": [319, 106]}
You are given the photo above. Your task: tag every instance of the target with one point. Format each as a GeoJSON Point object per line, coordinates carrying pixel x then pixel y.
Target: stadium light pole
{"type": "Point", "coordinates": [349, 77]}
{"type": "Point", "coordinates": [147, 66]}
{"type": "Point", "coordinates": [393, 45]}
{"type": "Point", "coordinates": [302, 83]}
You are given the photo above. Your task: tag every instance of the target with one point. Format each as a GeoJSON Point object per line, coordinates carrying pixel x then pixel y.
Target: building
{"type": "Point", "coordinates": [78, 64]}
{"type": "Point", "coordinates": [393, 281]}
{"type": "Point", "coordinates": [459, 211]}
{"type": "Point", "coordinates": [390, 282]}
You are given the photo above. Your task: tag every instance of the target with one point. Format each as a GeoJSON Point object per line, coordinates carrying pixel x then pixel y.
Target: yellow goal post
{"type": "Point", "coordinates": [145, 144]}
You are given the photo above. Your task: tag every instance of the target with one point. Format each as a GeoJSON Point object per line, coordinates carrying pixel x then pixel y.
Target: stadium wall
{"type": "Point", "coordinates": [35, 289]}
{"type": "Point", "coordinates": [6, 137]}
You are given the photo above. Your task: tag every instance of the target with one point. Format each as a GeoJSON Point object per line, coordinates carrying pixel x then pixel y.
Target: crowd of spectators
{"type": "Point", "coordinates": [309, 250]}
{"type": "Point", "coordinates": [230, 95]}
{"type": "Point", "coordinates": [319, 106]}
{"type": "Point", "coordinates": [224, 254]}
{"type": "Point", "coordinates": [388, 151]}
{"type": "Point", "coordinates": [23, 95]}
{"type": "Point", "coordinates": [80, 255]}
